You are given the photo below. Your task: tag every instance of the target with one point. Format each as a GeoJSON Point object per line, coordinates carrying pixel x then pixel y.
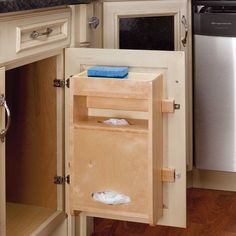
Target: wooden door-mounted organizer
{"type": "Point", "coordinates": [125, 159]}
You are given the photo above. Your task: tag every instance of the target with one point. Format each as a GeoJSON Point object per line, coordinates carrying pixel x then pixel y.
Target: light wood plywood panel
{"type": "Point", "coordinates": [100, 164]}
{"type": "Point", "coordinates": [31, 141]}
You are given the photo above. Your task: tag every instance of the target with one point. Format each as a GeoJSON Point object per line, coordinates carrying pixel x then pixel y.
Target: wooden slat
{"type": "Point", "coordinates": [135, 86]}
{"type": "Point", "coordinates": [117, 104]}
{"type": "Point", "coordinates": [155, 152]}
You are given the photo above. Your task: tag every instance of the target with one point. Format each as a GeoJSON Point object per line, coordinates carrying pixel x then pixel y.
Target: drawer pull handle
{"type": "Point", "coordinates": [4, 131]}
{"type": "Point", "coordinates": [36, 34]}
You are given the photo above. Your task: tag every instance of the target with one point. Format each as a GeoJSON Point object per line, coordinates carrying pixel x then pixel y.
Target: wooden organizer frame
{"type": "Point", "coordinates": [126, 159]}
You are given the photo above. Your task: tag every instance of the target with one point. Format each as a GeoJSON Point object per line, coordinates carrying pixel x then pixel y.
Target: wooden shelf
{"type": "Point", "coordinates": [23, 219]}
{"type": "Point", "coordinates": [135, 126]}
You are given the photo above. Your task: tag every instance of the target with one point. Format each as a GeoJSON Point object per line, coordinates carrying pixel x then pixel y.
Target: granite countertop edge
{"type": "Point", "coordinates": [22, 5]}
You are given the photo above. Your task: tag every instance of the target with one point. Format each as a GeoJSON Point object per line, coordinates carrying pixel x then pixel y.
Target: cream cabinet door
{"type": "Point", "coordinates": [113, 12]}
{"type": "Point", "coordinates": [172, 67]}
{"type": "Point", "coordinates": [2, 160]}
{"type": "Point", "coordinates": [116, 11]}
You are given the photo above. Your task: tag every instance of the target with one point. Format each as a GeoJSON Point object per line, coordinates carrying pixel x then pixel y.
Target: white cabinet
{"type": "Point", "coordinates": [115, 11]}
{"type": "Point", "coordinates": [40, 143]}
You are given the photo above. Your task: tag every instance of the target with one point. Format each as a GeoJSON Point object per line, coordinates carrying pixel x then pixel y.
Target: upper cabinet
{"type": "Point", "coordinates": [155, 25]}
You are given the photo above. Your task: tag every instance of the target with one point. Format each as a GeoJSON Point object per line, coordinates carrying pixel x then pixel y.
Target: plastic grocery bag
{"type": "Point", "coordinates": [110, 197]}
{"type": "Point", "coordinates": [114, 121]}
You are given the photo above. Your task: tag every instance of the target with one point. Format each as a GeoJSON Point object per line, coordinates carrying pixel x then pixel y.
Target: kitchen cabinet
{"type": "Point", "coordinates": [38, 145]}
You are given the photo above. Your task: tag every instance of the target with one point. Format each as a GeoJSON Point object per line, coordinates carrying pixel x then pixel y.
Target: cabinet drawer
{"type": "Point", "coordinates": [32, 34]}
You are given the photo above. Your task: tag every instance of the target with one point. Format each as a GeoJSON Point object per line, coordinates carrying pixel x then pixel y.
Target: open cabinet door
{"type": "Point", "coordinates": [84, 147]}
{"type": "Point", "coordinates": [2, 160]}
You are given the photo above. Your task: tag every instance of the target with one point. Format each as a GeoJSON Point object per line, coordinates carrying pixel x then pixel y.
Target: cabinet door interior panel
{"type": "Point", "coordinates": [31, 141]}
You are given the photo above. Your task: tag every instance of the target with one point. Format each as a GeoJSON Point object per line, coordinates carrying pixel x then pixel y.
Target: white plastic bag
{"type": "Point", "coordinates": [114, 122]}
{"type": "Point", "coordinates": [110, 197]}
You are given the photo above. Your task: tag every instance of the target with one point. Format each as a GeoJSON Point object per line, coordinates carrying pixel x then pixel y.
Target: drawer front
{"type": "Point", "coordinates": [41, 34]}
{"type": "Point", "coordinates": [32, 34]}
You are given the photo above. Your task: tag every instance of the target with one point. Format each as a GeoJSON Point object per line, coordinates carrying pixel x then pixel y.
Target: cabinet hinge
{"type": "Point", "coordinates": [61, 179]}
{"type": "Point", "coordinates": [60, 83]}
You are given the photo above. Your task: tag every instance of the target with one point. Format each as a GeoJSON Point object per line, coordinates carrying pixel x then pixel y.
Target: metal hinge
{"type": "Point", "coordinates": [61, 83]}
{"type": "Point", "coordinates": [61, 179]}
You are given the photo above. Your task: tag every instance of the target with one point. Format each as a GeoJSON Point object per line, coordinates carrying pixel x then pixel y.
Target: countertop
{"type": "Point", "coordinates": [20, 5]}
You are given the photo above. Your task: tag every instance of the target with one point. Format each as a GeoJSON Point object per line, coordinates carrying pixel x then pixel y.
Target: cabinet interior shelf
{"type": "Point", "coordinates": [24, 219]}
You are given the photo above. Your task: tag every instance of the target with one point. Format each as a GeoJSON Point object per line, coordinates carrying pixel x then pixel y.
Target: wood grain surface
{"type": "Point", "coordinates": [31, 140]}
{"type": "Point", "coordinates": [210, 213]}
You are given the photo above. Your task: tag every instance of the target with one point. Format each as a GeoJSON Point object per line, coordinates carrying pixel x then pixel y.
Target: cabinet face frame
{"type": "Point", "coordinates": [173, 66]}
{"type": "Point", "coordinates": [2, 160]}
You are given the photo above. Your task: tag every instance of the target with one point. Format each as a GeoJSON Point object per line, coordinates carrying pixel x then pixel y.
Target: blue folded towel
{"type": "Point", "coordinates": [108, 72]}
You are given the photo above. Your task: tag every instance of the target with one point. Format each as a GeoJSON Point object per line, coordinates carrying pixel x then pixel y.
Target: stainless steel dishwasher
{"type": "Point", "coordinates": [214, 31]}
